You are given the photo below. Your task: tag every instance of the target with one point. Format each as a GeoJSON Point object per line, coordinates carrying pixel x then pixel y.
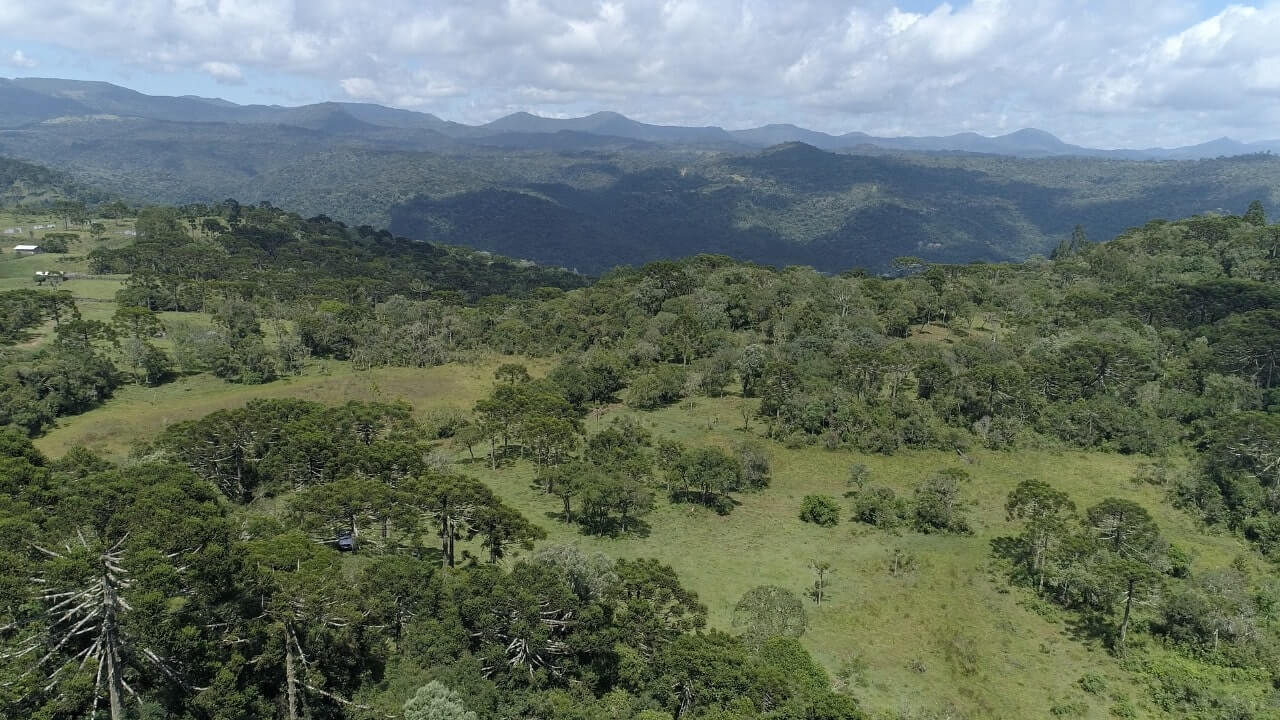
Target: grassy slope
{"type": "Point", "coordinates": [953, 606]}
{"type": "Point", "coordinates": [138, 413]}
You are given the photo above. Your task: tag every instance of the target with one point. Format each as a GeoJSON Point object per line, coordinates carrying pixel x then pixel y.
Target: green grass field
{"type": "Point", "coordinates": [138, 413]}
{"type": "Point", "coordinates": [947, 637]}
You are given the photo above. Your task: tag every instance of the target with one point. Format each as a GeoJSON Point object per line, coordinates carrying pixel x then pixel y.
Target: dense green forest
{"type": "Point", "coordinates": [795, 204]}
{"type": "Point", "coordinates": [291, 558]}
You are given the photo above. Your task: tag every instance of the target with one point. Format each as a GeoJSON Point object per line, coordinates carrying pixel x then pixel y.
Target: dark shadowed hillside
{"type": "Point", "coordinates": [795, 204]}
{"type": "Point", "coordinates": [26, 184]}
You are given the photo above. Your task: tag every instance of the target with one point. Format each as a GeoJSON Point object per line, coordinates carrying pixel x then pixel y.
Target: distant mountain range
{"type": "Point", "coordinates": [30, 101]}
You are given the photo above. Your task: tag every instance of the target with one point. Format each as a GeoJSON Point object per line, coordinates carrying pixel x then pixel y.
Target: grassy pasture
{"type": "Point", "coordinates": [138, 413]}
{"type": "Point", "coordinates": [949, 635]}
{"type": "Point", "coordinates": [94, 294]}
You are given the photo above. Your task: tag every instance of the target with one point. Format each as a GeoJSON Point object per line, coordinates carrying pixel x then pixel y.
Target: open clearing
{"type": "Point", "coordinates": [139, 413]}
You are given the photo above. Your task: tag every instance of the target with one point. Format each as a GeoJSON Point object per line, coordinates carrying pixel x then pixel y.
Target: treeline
{"type": "Point", "coordinates": [151, 590]}
{"type": "Point", "coordinates": [185, 257]}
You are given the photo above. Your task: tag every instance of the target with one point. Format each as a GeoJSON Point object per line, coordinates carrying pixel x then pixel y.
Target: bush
{"type": "Point", "coordinates": [755, 466]}
{"type": "Point", "coordinates": [654, 389]}
{"type": "Point", "coordinates": [1069, 709]}
{"type": "Point", "coordinates": [859, 474]}
{"type": "Point", "coordinates": [820, 510]}
{"type": "Point", "coordinates": [1092, 683]}
{"type": "Point", "coordinates": [769, 611]}
{"type": "Point", "coordinates": [1123, 708]}
{"type": "Point", "coordinates": [938, 505]}
{"type": "Point", "coordinates": [879, 506]}
{"type": "Point", "coordinates": [901, 562]}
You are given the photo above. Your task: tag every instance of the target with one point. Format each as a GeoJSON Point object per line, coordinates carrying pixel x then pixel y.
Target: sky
{"type": "Point", "coordinates": [1110, 73]}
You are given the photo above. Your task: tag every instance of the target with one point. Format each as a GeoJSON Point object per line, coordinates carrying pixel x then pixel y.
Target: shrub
{"type": "Point", "coordinates": [1069, 709]}
{"type": "Point", "coordinates": [820, 510]}
{"type": "Point", "coordinates": [879, 506]}
{"type": "Point", "coordinates": [1092, 683]}
{"type": "Point", "coordinates": [859, 474]}
{"type": "Point", "coordinates": [901, 562]}
{"type": "Point", "coordinates": [769, 611]}
{"type": "Point", "coordinates": [1123, 708]}
{"type": "Point", "coordinates": [755, 466]}
{"type": "Point", "coordinates": [797, 440]}
{"type": "Point", "coordinates": [1179, 562]}
{"type": "Point", "coordinates": [938, 504]}
{"type": "Point", "coordinates": [652, 390]}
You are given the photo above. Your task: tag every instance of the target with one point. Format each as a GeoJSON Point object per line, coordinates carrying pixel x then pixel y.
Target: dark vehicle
{"type": "Point", "coordinates": [346, 542]}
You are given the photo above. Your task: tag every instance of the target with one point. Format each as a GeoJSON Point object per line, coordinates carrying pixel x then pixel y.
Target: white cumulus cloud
{"type": "Point", "coordinates": [223, 72]}
{"type": "Point", "coordinates": [1137, 73]}
{"type": "Point", "coordinates": [19, 59]}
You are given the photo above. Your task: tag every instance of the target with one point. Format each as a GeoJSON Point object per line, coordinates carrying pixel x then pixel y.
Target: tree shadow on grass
{"type": "Point", "coordinates": [721, 504]}
{"type": "Point", "coordinates": [611, 527]}
{"type": "Point", "coordinates": [1091, 627]}
{"type": "Point", "coordinates": [501, 457]}
{"type": "Point", "coordinates": [1007, 547]}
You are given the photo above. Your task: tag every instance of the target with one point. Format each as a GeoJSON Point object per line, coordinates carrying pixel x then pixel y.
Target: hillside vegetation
{"type": "Point", "coordinates": [696, 489]}
{"type": "Point", "coordinates": [26, 185]}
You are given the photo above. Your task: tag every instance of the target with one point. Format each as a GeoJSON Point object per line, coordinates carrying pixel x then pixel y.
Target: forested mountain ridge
{"type": "Point", "coordinates": [796, 204]}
